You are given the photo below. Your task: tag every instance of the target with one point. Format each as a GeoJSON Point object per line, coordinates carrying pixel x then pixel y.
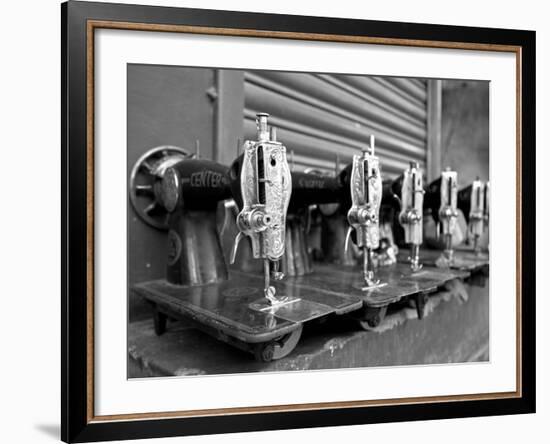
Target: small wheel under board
{"type": "Point", "coordinates": [372, 317]}
{"type": "Point", "coordinates": [278, 348]}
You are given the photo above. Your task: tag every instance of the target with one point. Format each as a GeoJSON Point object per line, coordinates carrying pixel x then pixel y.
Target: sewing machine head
{"type": "Point", "coordinates": [263, 193]}
{"type": "Point", "coordinates": [190, 192]}
{"type": "Point", "coordinates": [410, 217]}
{"type": "Point", "coordinates": [487, 201]}
{"type": "Point", "coordinates": [185, 192]}
{"type": "Point", "coordinates": [447, 214]}
{"type": "Point", "coordinates": [476, 216]}
{"type": "Point", "coordinates": [365, 185]}
{"type": "Point", "coordinates": [312, 187]}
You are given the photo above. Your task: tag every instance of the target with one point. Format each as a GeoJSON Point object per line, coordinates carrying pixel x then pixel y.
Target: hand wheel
{"type": "Point", "coordinates": [144, 180]}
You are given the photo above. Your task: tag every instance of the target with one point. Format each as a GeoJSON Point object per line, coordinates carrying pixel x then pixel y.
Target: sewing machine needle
{"type": "Point", "coordinates": [366, 265]}
{"type": "Point", "coordinates": [266, 274]}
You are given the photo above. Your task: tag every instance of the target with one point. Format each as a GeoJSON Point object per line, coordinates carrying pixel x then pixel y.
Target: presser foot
{"type": "Point", "coordinates": [370, 283]}
{"type": "Point", "coordinates": [272, 301]}
{"type": "Point", "coordinates": [446, 260]}
{"type": "Point", "coordinates": [369, 279]}
{"type": "Point", "coordinates": [415, 265]}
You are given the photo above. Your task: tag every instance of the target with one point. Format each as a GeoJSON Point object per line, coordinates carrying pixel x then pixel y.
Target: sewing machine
{"type": "Point", "coordinates": [443, 200]}
{"type": "Point", "coordinates": [312, 190]}
{"type": "Point", "coordinates": [198, 287]}
{"type": "Point", "coordinates": [260, 309]}
{"type": "Point", "coordinates": [258, 312]}
{"type": "Point", "coordinates": [366, 196]}
{"type": "Point", "coordinates": [375, 285]}
{"type": "Point", "coordinates": [265, 187]}
{"type": "Point", "coordinates": [410, 217]}
{"type": "Point", "coordinates": [473, 202]}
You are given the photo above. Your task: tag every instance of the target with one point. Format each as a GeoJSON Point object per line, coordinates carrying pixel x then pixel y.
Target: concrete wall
{"type": "Point", "coordinates": [465, 129]}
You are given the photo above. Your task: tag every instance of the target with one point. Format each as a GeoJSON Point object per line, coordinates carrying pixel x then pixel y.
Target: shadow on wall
{"type": "Point", "coordinates": [465, 129]}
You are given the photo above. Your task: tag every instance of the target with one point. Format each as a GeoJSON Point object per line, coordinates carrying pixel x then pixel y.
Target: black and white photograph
{"type": "Point", "coordinates": [286, 221]}
{"type": "Point", "coordinates": [303, 222]}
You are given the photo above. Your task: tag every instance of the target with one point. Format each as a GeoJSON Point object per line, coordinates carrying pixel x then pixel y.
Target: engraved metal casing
{"type": "Point", "coordinates": [448, 211]}
{"type": "Point", "coordinates": [477, 209]}
{"type": "Point", "coordinates": [487, 202]}
{"type": "Point", "coordinates": [366, 197]}
{"type": "Point", "coordinates": [266, 186]}
{"type": "Point", "coordinates": [412, 201]}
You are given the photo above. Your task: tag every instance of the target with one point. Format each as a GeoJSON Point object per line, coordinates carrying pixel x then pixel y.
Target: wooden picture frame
{"type": "Point", "coordinates": [79, 22]}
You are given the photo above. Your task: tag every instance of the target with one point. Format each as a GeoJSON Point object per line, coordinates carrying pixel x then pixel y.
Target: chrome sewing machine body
{"type": "Point", "coordinates": [363, 216]}
{"type": "Point", "coordinates": [474, 203]}
{"type": "Point", "coordinates": [376, 283]}
{"type": "Point", "coordinates": [448, 213]}
{"type": "Point", "coordinates": [476, 219]}
{"type": "Point", "coordinates": [443, 201]}
{"type": "Point", "coordinates": [411, 221]}
{"type": "Point", "coordinates": [411, 215]}
{"type": "Point", "coordinates": [265, 189]}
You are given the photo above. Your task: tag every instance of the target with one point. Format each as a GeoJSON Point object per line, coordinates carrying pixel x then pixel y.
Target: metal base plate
{"type": "Point", "coordinates": [228, 307]}
{"type": "Point", "coordinates": [396, 282]}
{"type": "Point", "coordinates": [463, 259]}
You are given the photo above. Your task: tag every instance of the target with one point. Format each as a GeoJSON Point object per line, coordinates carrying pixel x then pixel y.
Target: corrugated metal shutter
{"type": "Point", "coordinates": [319, 115]}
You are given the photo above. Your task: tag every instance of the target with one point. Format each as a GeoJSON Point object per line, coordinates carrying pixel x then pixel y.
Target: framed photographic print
{"type": "Point", "coordinates": [275, 221]}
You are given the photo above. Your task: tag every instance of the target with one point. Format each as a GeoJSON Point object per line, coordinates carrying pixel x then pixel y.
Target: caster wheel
{"type": "Point", "coordinates": [264, 352]}
{"type": "Point", "coordinates": [373, 318]}
{"type": "Point", "coordinates": [279, 348]}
